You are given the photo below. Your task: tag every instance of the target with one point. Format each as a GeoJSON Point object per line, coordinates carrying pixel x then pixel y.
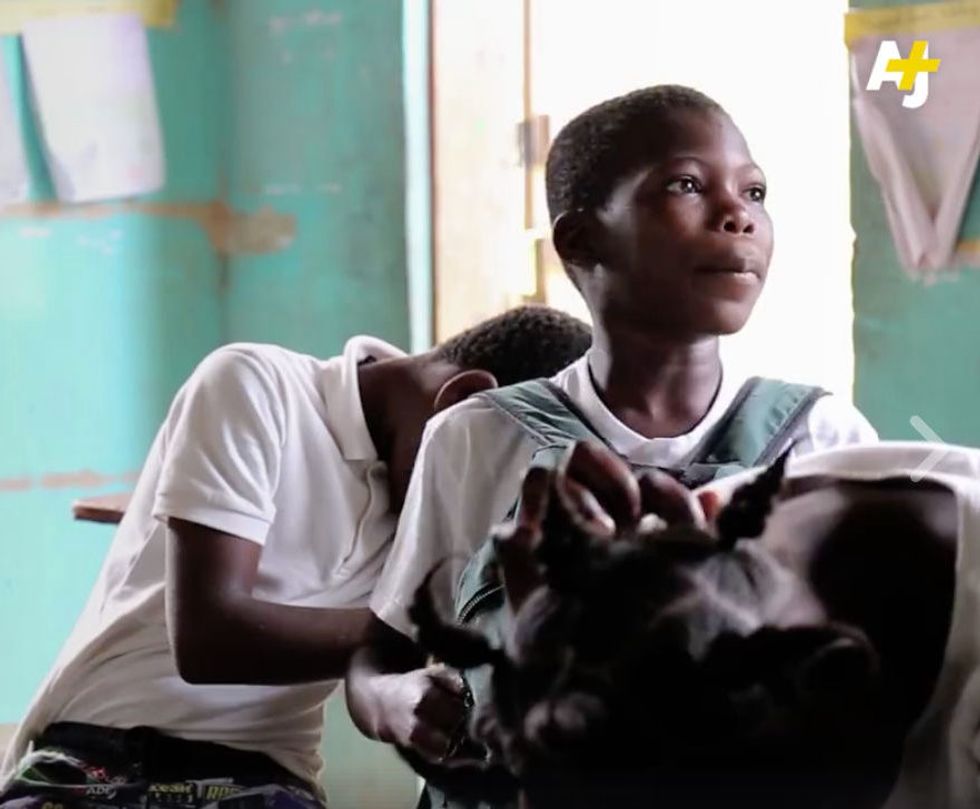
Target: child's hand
{"type": "Point", "coordinates": [592, 488]}
{"type": "Point", "coordinates": [605, 498]}
{"type": "Point", "coordinates": [598, 493]}
{"type": "Point", "coordinates": [423, 709]}
{"type": "Point", "coordinates": [516, 540]}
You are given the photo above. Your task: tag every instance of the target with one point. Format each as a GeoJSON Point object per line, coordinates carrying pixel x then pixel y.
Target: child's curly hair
{"type": "Point", "coordinates": [641, 672]}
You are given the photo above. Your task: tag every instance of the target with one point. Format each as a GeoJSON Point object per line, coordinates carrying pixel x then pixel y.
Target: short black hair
{"type": "Point", "coordinates": [597, 147]}
{"type": "Point", "coordinates": [527, 342]}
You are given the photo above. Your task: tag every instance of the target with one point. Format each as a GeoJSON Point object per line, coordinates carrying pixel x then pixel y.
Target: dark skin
{"type": "Point", "coordinates": [676, 256]}
{"type": "Point", "coordinates": [878, 555]}
{"type": "Point", "coordinates": [394, 697]}
{"type": "Point", "coordinates": [219, 632]}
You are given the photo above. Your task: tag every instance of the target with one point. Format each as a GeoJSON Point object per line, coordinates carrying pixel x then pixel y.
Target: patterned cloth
{"type": "Point", "coordinates": [77, 766]}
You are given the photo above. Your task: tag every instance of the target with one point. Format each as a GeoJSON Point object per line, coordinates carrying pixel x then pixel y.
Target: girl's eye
{"type": "Point", "coordinates": [684, 185]}
{"type": "Point", "coordinates": [757, 193]}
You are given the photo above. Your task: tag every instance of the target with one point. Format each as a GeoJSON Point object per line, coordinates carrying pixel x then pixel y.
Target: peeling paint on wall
{"type": "Point", "coordinates": [968, 252]}
{"type": "Point", "coordinates": [266, 231]}
{"type": "Point", "coordinates": [231, 232]}
{"type": "Point", "coordinates": [81, 479]}
{"type": "Point", "coordinates": [314, 18]}
{"type": "Point", "coordinates": [16, 484]}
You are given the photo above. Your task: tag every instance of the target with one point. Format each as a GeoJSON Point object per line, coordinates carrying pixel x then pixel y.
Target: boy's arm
{"type": "Point", "coordinates": [221, 463]}
{"type": "Point", "coordinates": [221, 634]}
{"type": "Point", "coordinates": [467, 474]}
{"type": "Point", "coordinates": [394, 697]}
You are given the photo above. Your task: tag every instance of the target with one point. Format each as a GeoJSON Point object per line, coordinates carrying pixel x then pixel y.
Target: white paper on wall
{"type": "Point", "coordinates": [92, 86]}
{"type": "Point", "coordinates": [14, 177]}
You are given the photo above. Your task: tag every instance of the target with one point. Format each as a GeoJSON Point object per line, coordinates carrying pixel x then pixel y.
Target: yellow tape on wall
{"type": "Point", "coordinates": [917, 19]}
{"type": "Point", "coordinates": [14, 13]}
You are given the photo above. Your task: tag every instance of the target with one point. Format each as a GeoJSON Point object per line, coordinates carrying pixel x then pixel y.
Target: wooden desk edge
{"type": "Point", "coordinates": [108, 508]}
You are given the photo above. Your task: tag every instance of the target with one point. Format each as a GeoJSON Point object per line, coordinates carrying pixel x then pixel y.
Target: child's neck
{"type": "Point", "coordinates": [658, 388]}
{"type": "Point", "coordinates": [392, 394]}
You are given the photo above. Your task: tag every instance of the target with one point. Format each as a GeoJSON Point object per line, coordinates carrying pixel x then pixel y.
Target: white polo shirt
{"type": "Point", "coordinates": [472, 460]}
{"type": "Point", "coordinates": [267, 445]}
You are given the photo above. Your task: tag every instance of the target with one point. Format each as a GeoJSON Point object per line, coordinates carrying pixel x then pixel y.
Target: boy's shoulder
{"type": "Point", "coordinates": [475, 415]}
{"type": "Point", "coordinates": [265, 354]}
{"type": "Point", "coordinates": [829, 419]}
{"type": "Point", "coordinates": [833, 421]}
{"type": "Point", "coordinates": [247, 363]}
{"type": "Point", "coordinates": [476, 431]}
{"type": "Point", "coordinates": [240, 378]}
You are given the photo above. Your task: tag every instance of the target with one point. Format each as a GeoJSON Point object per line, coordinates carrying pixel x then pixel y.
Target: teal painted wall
{"type": "Point", "coordinates": [101, 317]}
{"type": "Point", "coordinates": [916, 346]}
{"type": "Point", "coordinates": [317, 133]}
{"type": "Point", "coordinates": [292, 109]}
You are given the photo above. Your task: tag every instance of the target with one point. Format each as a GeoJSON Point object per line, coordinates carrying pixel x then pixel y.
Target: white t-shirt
{"type": "Point", "coordinates": [267, 445]}
{"type": "Point", "coordinates": [941, 764]}
{"type": "Point", "coordinates": [472, 460]}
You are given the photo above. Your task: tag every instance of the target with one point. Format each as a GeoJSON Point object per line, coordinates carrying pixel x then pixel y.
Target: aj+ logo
{"type": "Point", "coordinates": [908, 74]}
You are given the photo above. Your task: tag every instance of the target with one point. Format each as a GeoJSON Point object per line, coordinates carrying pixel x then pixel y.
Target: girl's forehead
{"type": "Point", "coordinates": [698, 132]}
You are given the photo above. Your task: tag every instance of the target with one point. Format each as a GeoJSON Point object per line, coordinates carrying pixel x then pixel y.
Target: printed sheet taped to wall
{"type": "Point", "coordinates": [14, 178]}
{"type": "Point", "coordinates": [92, 86]}
{"type": "Point", "coordinates": [924, 157]}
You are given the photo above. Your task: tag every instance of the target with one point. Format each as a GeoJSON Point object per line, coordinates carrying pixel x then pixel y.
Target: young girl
{"type": "Point", "coordinates": [808, 645]}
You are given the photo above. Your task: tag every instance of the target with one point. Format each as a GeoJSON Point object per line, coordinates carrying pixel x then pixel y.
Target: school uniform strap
{"type": "Point", "coordinates": [545, 412]}
{"type": "Point", "coordinates": [757, 425]}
